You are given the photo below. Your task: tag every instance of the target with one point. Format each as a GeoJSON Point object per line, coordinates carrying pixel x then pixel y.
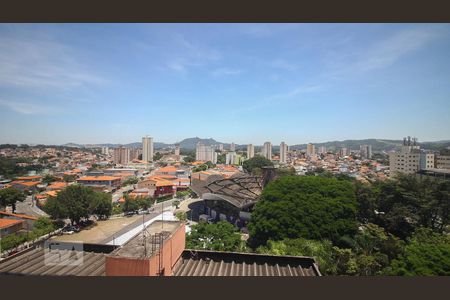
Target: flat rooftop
{"type": "Point", "coordinates": [148, 241]}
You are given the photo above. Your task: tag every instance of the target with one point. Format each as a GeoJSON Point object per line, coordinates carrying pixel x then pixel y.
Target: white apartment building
{"type": "Point", "coordinates": [147, 148]}
{"type": "Point", "coordinates": [177, 150]}
{"type": "Point", "coordinates": [267, 150]}
{"type": "Point", "coordinates": [232, 147]}
{"type": "Point", "coordinates": [205, 153]}
{"type": "Point", "coordinates": [233, 159]}
{"type": "Point", "coordinates": [105, 150]}
{"type": "Point", "coordinates": [250, 151]}
{"type": "Point", "coordinates": [365, 151]}
{"type": "Point", "coordinates": [283, 152]}
{"type": "Point", "coordinates": [406, 161]}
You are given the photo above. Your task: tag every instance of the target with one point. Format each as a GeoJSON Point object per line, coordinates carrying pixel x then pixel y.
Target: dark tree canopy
{"type": "Point", "coordinates": [309, 207]}
{"type": "Point", "coordinates": [256, 162]}
{"type": "Point", "coordinates": [76, 202]}
{"type": "Point", "coordinates": [405, 204]}
{"type": "Point", "coordinates": [10, 196]}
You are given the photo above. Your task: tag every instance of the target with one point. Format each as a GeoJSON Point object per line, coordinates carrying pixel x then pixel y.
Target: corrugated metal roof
{"type": "Point", "coordinates": [34, 262]}
{"type": "Point", "coordinates": [213, 263]}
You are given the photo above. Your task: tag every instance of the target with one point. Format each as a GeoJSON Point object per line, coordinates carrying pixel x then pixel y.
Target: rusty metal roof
{"type": "Point", "coordinates": [34, 262]}
{"type": "Point", "coordinates": [214, 263]}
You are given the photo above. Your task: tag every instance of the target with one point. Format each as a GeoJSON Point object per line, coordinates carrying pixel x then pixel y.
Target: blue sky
{"type": "Point", "coordinates": [242, 83]}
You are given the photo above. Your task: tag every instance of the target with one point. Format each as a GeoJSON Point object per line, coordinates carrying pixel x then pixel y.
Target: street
{"type": "Point", "coordinates": [27, 207]}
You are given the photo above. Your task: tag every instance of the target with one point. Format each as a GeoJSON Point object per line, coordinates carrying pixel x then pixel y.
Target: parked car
{"type": "Point", "coordinates": [68, 230]}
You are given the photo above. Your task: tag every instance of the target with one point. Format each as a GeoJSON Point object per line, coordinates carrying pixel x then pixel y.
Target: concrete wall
{"type": "Point", "coordinates": [172, 249]}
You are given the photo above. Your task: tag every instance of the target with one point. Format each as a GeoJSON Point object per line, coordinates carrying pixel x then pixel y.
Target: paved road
{"type": "Point", "coordinates": [158, 208]}
{"type": "Point", "coordinates": [119, 193]}
{"type": "Point", "coordinates": [29, 208]}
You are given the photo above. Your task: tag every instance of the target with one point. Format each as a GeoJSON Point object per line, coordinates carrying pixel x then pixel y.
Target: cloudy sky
{"type": "Point", "coordinates": [242, 83]}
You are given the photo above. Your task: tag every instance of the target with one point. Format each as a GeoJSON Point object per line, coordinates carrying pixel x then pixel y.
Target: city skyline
{"type": "Point", "coordinates": [112, 83]}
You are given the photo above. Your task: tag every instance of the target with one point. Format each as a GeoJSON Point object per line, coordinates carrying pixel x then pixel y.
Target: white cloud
{"type": "Point", "coordinates": [284, 65]}
{"type": "Point", "coordinates": [299, 90]}
{"type": "Point", "coordinates": [185, 54]}
{"type": "Point", "coordinates": [42, 64]}
{"type": "Point", "coordinates": [27, 107]}
{"type": "Point", "coordinates": [226, 71]}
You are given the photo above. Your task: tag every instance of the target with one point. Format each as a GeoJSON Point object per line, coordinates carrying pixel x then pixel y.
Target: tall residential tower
{"type": "Point", "coordinates": [147, 148]}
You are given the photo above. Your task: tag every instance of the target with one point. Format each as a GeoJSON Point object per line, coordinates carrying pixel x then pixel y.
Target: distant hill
{"type": "Point", "coordinates": [191, 143]}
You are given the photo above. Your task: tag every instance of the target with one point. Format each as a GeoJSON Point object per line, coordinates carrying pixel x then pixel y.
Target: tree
{"type": "Point", "coordinates": [426, 254]}
{"type": "Point", "coordinates": [322, 251]}
{"type": "Point", "coordinates": [189, 159]}
{"type": "Point", "coordinates": [48, 179]}
{"type": "Point", "coordinates": [10, 196]}
{"type": "Point", "coordinates": [176, 203]}
{"type": "Point", "coordinates": [131, 180]}
{"type": "Point", "coordinates": [157, 156]}
{"type": "Point", "coordinates": [309, 207]}
{"type": "Point", "coordinates": [102, 205]}
{"type": "Point", "coordinates": [69, 178]}
{"type": "Point", "coordinates": [286, 171]}
{"type": "Point", "coordinates": [181, 215]}
{"type": "Point", "coordinates": [130, 204]}
{"type": "Point", "coordinates": [144, 202]}
{"type": "Point", "coordinates": [74, 202]}
{"type": "Point", "coordinates": [256, 162]}
{"type": "Point", "coordinates": [221, 236]}
{"type": "Point", "coordinates": [404, 204]}
{"type": "Point", "coordinates": [221, 158]}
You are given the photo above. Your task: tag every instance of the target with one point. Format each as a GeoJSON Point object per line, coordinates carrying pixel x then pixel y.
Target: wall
{"type": "Point", "coordinates": [172, 249]}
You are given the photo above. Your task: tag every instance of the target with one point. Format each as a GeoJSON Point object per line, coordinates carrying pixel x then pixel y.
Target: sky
{"type": "Point", "coordinates": [241, 83]}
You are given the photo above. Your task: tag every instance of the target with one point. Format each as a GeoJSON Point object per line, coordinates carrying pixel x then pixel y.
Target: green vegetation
{"type": "Point", "coordinates": [221, 236]}
{"type": "Point", "coordinates": [176, 203]}
{"type": "Point", "coordinates": [427, 253]}
{"type": "Point", "coordinates": [48, 179]}
{"type": "Point", "coordinates": [157, 156]}
{"type": "Point", "coordinates": [181, 215]}
{"type": "Point", "coordinates": [76, 202]}
{"type": "Point", "coordinates": [304, 207]}
{"type": "Point", "coordinates": [182, 194]}
{"type": "Point", "coordinates": [256, 162]}
{"type": "Point", "coordinates": [131, 180]}
{"type": "Point", "coordinates": [42, 226]}
{"type": "Point", "coordinates": [130, 204]}
{"type": "Point", "coordinates": [9, 167]}
{"type": "Point", "coordinates": [221, 158]}
{"type": "Point", "coordinates": [402, 224]}
{"type": "Point", "coordinates": [10, 196]}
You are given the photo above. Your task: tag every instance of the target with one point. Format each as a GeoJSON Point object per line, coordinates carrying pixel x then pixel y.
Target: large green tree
{"type": "Point", "coordinates": [256, 162]}
{"type": "Point", "coordinates": [76, 202]}
{"type": "Point", "coordinates": [10, 196]}
{"type": "Point", "coordinates": [221, 236]}
{"type": "Point", "coordinates": [309, 207]}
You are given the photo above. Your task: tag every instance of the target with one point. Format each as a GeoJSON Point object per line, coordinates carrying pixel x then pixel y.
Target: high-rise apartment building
{"type": "Point", "coordinates": [232, 147]}
{"type": "Point", "coordinates": [310, 149]}
{"type": "Point", "coordinates": [177, 149]}
{"type": "Point", "coordinates": [147, 148]}
{"type": "Point", "coordinates": [121, 155]}
{"type": "Point", "coordinates": [322, 150]}
{"type": "Point", "coordinates": [365, 151]}
{"type": "Point", "coordinates": [283, 152]}
{"type": "Point", "coordinates": [267, 150]}
{"type": "Point", "coordinates": [233, 159]}
{"type": "Point", "coordinates": [250, 151]}
{"type": "Point", "coordinates": [344, 152]}
{"type": "Point", "coordinates": [105, 150]}
{"type": "Point", "coordinates": [205, 153]}
{"type": "Point", "coordinates": [407, 160]}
